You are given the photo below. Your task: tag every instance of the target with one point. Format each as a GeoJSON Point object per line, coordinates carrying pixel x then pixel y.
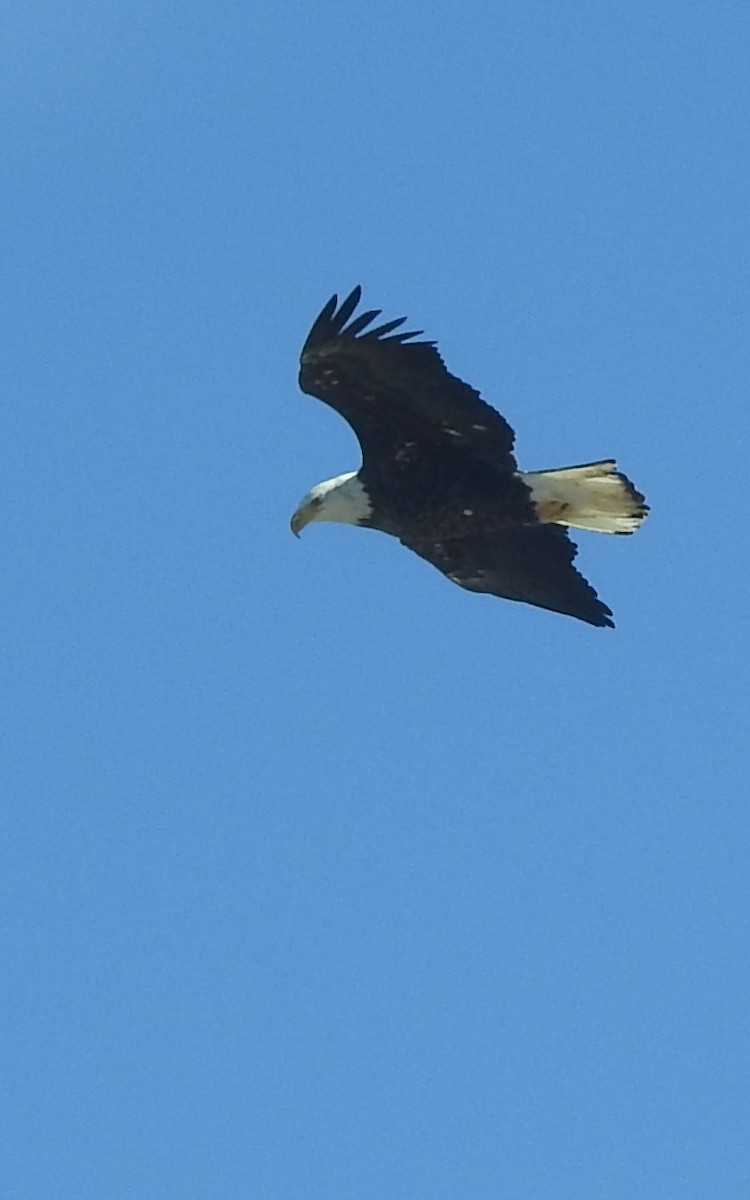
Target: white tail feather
{"type": "Point", "coordinates": [594, 496]}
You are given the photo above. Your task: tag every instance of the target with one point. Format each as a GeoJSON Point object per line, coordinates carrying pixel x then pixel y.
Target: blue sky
{"type": "Point", "coordinates": [319, 877]}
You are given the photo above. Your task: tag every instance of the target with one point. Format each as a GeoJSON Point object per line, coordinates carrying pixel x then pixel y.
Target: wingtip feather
{"type": "Point", "coordinates": [347, 308]}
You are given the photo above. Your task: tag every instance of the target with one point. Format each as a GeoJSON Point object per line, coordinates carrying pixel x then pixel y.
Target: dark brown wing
{"type": "Point", "coordinates": [394, 391]}
{"type": "Point", "coordinates": [532, 564]}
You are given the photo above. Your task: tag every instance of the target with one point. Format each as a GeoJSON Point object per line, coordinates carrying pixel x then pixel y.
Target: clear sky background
{"type": "Point", "coordinates": [320, 877]}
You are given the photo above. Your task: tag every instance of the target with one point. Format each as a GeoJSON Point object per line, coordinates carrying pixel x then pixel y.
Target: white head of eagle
{"type": "Point", "coordinates": [439, 472]}
{"type": "Point", "coordinates": [342, 499]}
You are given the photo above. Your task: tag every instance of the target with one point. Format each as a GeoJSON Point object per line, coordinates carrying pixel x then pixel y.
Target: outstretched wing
{"type": "Point", "coordinates": [533, 564]}
{"type": "Point", "coordinates": [394, 391]}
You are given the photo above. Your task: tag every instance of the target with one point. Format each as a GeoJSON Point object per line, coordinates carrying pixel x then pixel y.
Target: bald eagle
{"type": "Point", "coordinates": [438, 470]}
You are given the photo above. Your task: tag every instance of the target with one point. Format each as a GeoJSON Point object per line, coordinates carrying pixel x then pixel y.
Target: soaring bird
{"type": "Point", "coordinates": [438, 470]}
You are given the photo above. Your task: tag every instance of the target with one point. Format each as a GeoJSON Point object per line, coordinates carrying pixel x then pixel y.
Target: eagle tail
{"type": "Point", "coordinates": [593, 496]}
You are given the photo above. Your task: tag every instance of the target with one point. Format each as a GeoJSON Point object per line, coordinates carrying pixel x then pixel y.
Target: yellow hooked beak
{"type": "Point", "coordinates": [300, 518]}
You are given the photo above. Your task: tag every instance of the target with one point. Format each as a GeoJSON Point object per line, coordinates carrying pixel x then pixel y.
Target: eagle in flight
{"type": "Point", "coordinates": [438, 470]}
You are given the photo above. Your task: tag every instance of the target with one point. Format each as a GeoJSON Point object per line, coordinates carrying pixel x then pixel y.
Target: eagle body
{"type": "Point", "coordinates": [438, 470]}
{"type": "Point", "coordinates": [444, 494]}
